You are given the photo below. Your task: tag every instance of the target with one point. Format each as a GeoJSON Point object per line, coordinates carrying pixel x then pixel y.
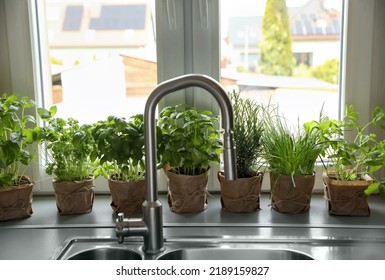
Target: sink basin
{"type": "Point", "coordinates": [176, 249]}
{"type": "Point", "coordinates": [234, 254]}
{"type": "Point", "coordinates": [221, 248]}
{"type": "Point", "coordinates": [106, 254]}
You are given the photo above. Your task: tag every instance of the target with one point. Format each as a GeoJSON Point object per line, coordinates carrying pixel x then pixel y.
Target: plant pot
{"type": "Point", "coordinates": [74, 197]}
{"type": "Point", "coordinates": [16, 201]}
{"type": "Point", "coordinates": [127, 197]}
{"type": "Point", "coordinates": [346, 198]}
{"type": "Point", "coordinates": [187, 194]}
{"type": "Point", "coordinates": [291, 194]}
{"type": "Point", "coordinates": [241, 195]}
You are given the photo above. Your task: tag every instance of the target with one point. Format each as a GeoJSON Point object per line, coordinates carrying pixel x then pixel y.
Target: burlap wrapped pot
{"type": "Point", "coordinates": [186, 193]}
{"type": "Point", "coordinates": [16, 201]}
{"type": "Point", "coordinates": [241, 195]}
{"type": "Point", "coordinates": [74, 197]}
{"type": "Point", "coordinates": [127, 197]}
{"type": "Point", "coordinates": [346, 198]}
{"type": "Point", "coordinates": [291, 194]}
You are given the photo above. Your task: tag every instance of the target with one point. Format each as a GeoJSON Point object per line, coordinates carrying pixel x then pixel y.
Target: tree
{"type": "Point", "coordinates": [276, 53]}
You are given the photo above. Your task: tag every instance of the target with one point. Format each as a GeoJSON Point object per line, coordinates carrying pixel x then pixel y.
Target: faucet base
{"type": "Point", "coordinates": [153, 217]}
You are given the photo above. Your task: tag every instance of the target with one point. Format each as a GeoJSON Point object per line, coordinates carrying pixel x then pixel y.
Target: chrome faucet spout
{"type": "Point", "coordinates": [152, 208]}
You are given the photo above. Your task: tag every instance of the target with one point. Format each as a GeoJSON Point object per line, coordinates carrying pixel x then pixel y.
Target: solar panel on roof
{"type": "Point", "coordinates": [73, 18]}
{"type": "Point", "coordinates": [120, 17]}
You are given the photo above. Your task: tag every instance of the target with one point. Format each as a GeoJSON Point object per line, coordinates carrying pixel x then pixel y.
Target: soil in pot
{"type": "Point", "coordinates": [291, 194]}
{"type": "Point", "coordinates": [16, 201]}
{"type": "Point", "coordinates": [127, 197]}
{"type": "Point", "coordinates": [187, 194]}
{"type": "Point", "coordinates": [74, 197]}
{"type": "Point", "coordinates": [346, 198]}
{"type": "Point", "coordinates": [241, 195]}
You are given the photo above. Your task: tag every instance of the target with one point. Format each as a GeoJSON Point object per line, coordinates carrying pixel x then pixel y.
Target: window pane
{"type": "Point", "coordinates": [103, 57]}
{"type": "Point", "coordinates": [301, 75]}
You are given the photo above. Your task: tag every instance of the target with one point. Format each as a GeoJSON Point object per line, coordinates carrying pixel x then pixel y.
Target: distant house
{"type": "Point", "coordinates": [315, 31]}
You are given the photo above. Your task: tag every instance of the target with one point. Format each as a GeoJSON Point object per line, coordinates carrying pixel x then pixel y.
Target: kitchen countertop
{"type": "Point", "coordinates": [47, 229]}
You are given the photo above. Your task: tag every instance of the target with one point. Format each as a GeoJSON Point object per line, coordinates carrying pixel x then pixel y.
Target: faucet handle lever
{"type": "Point", "coordinates": [120, 217]}
{"type": "Point", "coordinates": [120, 228]}
{"type": "Point", "coordinates": [129, 227]}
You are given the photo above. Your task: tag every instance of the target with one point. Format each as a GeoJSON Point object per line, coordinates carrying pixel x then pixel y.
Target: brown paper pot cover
{"type": "Point", "coordinates": [286, 197]}
{"type": "Point", "coordinates": [187, 194]}
{"type": "Point", "coordinates": [74, 197]}
{"type": "Point", "coordinates": [16, 202]}
{"type": "Point", "coordinates": [127, 197]}
{"type": "Point", "coordinates": [346, 198]}
{"type": "Point", "coordinates": [241, 195]}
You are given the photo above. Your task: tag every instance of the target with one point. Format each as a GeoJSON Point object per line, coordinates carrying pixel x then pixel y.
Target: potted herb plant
{"type": "Point", "coordinates": [242, 195]}
{"type": "Point", "coordinates": [352, 155]}
{"type": "Point", "coordinates": [121, 157]}
{"type": "Point", "coordinates": [190, 144]}
{"type": "Point", "coordinates": [291, 154]}
{"type": "Point", "coordinates": [18, 147]}
{"type": "Point", "coordinates": [69, 147]}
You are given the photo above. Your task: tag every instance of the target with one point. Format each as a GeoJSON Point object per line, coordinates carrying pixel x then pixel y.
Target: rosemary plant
{"type": "Point", "coordinates": [248, 129]}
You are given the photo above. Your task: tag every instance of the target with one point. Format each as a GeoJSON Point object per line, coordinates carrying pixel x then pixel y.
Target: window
{"type": "Point", "coordinates": [362, 67]}
{"type": "Point", "coordinates": [315, 43]}
{"type": "Point", "coordinates": [102, 57]}
{"type": "Point", "coordinates": [102, 54]}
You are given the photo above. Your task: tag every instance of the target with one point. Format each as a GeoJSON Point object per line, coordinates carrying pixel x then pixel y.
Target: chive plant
{"type": "Point", "coordinates": [289, 151]}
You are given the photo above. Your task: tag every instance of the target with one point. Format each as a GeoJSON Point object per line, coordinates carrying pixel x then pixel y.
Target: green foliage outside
{"type": "Point", "coordinates": [276, 51]}
{"type": "Point", "coordinates": [328, 71]}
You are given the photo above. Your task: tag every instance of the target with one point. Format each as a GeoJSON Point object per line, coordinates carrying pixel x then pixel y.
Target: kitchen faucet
{"type": "Point", "coordinates": [150, 226]}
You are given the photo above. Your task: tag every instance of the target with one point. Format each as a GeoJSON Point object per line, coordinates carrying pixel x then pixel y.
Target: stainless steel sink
{"type": "Point", "coordinates": [106, 253]}
{"type": "Point", "coordinates": [222, 248]}
{"type": "Point", "coordinates": [176, 249]}
{"type": "Point", "coordinates": [234, 254]}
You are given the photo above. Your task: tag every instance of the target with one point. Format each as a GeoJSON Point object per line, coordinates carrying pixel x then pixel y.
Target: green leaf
{"type": "Point", "coordinates": [372, 188]}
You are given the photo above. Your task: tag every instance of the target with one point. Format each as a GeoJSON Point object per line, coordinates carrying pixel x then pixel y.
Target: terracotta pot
{"type": "Point", "coordinates": [74, 197]}
{"type": "Point", "coordinates": [291, 194]}
{"type": "Point", "coordinates": [346, 198]}
{"type": "Point", "coordinates": [241, 195]}
{"type": "Point", "coordinates": [16, 201]}
{"type": "Point", "coordinates": [186, 193]}
{"type": "Point", "coordinates": [127, 197]}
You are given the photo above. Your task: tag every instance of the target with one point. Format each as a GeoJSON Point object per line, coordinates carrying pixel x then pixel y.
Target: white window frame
{"type": "Point", "coordinates": [22, 70]}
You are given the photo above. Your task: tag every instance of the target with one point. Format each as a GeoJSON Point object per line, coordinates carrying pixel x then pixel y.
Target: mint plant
{"type": "Point", "coordinates": [351, 149]}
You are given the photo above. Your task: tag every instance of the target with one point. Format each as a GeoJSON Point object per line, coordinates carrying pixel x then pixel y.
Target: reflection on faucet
{"type": "Point", "coordinates": [151, 224]}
